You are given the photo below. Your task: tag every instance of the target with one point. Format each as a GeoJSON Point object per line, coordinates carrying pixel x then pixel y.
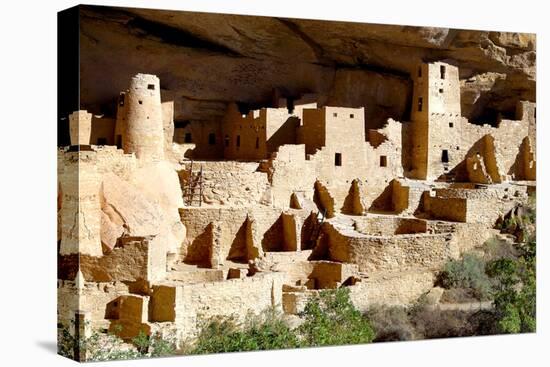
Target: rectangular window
{"type": "Point", "coordinates": [151, 86]}
{"type": "Point", "coordinates": [227, 140]}
{"type": "Point", "coordinates": [121, 100]}
{"type": "Point", "coordinates": [212, 139]}
{"type": "Point", "coordinates": [419, 104]}
{"type": "Point", "coordinates": [445, 156]}
{"type": "Point", "coordinates": [420, 71]}
{"type": "Point", "coordinates": [383, 161]}
{"type": "Point", "coordinates": [257, 143]}
{"type": "Point", "coordinates": [338, 159]}
{"type": "Point", "coordinates": [188, 138]}
{"type": "Point", "coordinates": [119, 141]}
{"type": "Point", "coordinates": [442, 71]}
{"type": "Point", "coordinates": [238, 140]}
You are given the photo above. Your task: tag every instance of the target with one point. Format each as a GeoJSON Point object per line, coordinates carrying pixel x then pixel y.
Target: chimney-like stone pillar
{"type": "Point", "coordinates": [81, 207]}
{"type": "Point", "coordinates": [80, 127]}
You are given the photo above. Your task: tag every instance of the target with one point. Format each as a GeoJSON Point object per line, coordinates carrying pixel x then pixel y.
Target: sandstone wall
{"type": "Point", "coordinates": [388, 253]}
{"type": "Point", "coordinates": [92, 297]}
{"type": "Point", "coordinates": [197, 303]}
{"type": "Point", "coordinates": [200, 132]}
{"type": "Point", "coordinates": [103, 131]}
{"type": "Point", "coordinates": [229, 183]}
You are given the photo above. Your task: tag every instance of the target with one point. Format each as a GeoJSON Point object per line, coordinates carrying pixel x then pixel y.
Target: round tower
{"type": "Point", "coordinates": [143, 133]}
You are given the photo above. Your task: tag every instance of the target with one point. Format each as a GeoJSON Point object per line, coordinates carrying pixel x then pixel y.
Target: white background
{"type": "Point", "coordinates": [28, 181]}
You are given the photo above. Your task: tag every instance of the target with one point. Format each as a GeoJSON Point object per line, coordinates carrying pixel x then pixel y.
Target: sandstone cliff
{"type": "Point", "coordinates": [207, 60]}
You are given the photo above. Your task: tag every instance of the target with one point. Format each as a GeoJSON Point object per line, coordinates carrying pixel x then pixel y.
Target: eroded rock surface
{"type": "Point", "coordinates": [207, 60]}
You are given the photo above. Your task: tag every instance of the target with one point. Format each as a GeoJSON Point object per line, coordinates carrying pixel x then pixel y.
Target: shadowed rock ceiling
{"type": "Point", "coordinates": [205, 61]}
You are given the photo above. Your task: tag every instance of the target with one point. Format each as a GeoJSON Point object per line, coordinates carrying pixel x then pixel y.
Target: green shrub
{"type": "Point", "coordinates": [225, 335]}
{"type": "Point", "coordinates": [329, 319]}
{"type": "Point", "coordinates": [515, 290]}
{"type": "Point", "coordinates": [332, 319]}
{"type": "Point", "coordinates": [468, 272]}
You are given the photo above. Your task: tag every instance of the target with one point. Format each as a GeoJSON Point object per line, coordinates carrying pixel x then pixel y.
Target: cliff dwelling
{"type": "Point", "coordinates": [166, 218]}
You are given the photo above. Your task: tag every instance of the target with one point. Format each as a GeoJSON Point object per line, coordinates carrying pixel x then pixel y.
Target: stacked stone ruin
{"type": "Point", "coordinates": [294, 198]}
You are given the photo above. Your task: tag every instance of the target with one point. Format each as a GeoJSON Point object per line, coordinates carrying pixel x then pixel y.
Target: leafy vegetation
{"type": "Point", "coordinates": [329, 319]}
{"type": "Point", "coordinates": [225, 335]}
{"type": "Point", "coordinates": [468, 272]}
{"type": "Point", "coordinates": [515, 290]}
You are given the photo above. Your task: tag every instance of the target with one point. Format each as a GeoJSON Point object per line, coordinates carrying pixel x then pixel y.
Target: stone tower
{"type": "Point", "coordinates": [80, 127]}
{"type": "Point", "coordinates": [143, 131]}
{"type": "Point", "coordinates": [80, 185]}
{"type": "Point", "coordinates": [436, 120]}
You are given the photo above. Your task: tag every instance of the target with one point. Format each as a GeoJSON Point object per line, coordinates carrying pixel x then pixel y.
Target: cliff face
{"type": "Point", "coordinates": [206, 60]}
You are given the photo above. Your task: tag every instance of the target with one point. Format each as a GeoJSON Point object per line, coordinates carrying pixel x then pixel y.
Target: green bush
{"type": "Point", "coordinates": [468, 272]}
{"type": "Point", "coordinates": [225, 335]}
{"type": "Point", "coordinates": [331, 319]}
{"type": "Point", "coordinates": [515, 290]}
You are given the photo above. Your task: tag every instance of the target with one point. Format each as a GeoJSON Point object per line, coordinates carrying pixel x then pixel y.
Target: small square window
{"type": "Point", "coordinates": [451, 124]}
{"type": "Point", "coordinates": [151, 86]}
{"type": "Point", "coordinates": [351, 115]}
{"type": "Point", "coordinates": [338, 159]}
{"type": "Point", "coordinates": [188, 138]}
{"type": "Point", "coordinates": [440, 90]}
{"type": "Point", "coordinates": [334, 114]}
{"type": "Point", "coordinates": [140, 102]}
{"type": "Point", "coordinates": [383, 161]}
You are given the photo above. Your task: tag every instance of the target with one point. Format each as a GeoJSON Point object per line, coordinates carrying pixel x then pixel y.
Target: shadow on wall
{"type": "Point", "coordinates": [285, 134]}
{"type": "Point", "coordinates": [485, 147]}
{"type": "Point", "coordinates": [383, 203]}
{"type": "Point", "coordinates": [524, 166]}
{"type": "Point", "coordinates": [354, 203]}
{"type": "Point", "coordinates": [323, 199]}
{"type": "Point", "coordinates": [238, 251]}
{"type": "Point", "coordinates": [199, 251]}
{"type": "Point", "coordinates": [273, 239]}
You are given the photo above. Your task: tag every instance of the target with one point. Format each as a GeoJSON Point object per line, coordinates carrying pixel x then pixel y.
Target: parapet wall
{"type": "Point", "coordinates": [388, 253]}
{"type": "Point", "coordinates": [136, 258]}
